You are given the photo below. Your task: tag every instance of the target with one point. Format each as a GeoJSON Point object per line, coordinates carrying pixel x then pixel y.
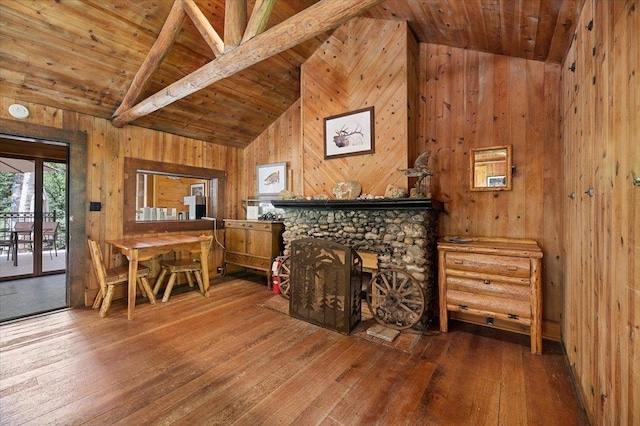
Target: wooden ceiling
{"type": "Point", "coordinates": [81, 55]}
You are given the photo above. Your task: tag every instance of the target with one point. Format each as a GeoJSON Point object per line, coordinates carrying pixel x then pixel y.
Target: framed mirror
{"type": "Point", "coordinates": [166, 197]}
{"type": "Point", "coordinates": [491, 168]}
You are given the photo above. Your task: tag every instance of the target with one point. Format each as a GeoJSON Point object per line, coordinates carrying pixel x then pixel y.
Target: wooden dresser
{"type": "Point", "coordinates": [493, 279]}
{"type": "Point", "coordinates": [252, 244]}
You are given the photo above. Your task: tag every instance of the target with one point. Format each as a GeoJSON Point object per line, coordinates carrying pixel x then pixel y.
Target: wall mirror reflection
{"type": "Point", "coordinates": [170, 197]}
{"type": "Point", "coordinates": [491, 168]}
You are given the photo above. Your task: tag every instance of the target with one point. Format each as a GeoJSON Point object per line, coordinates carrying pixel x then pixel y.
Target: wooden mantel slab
{"type": "Point", "coordinates": [380, 204]}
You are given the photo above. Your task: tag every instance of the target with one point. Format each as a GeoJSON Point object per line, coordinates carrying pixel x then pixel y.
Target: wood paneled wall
{"type": "Point", "coordinates": [107, 148]}
{"type": "Point", "coordinates": [601, 267]}
{"type": "Point", "coordinates": [470, 99]}
{"type": "Point", "coordinates": [280, 143]}
{"type": "Point", "coordinates": [364, 63]}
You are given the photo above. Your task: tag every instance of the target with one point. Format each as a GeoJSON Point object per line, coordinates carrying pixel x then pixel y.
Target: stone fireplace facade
{"type": "Point", "coordinates": [401, 232]}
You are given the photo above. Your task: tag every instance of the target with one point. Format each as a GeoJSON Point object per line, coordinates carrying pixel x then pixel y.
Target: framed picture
{"type": "Point", "coordinates": [351, 133]}
{"type": "Point", "coordinates": [197, 189]}
{"type": "Point", "coordinates": [271, 178]}
{"type": "Point", "coordinates": [494, 181]}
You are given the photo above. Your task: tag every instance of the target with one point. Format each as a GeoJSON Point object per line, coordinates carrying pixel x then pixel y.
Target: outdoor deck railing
{"type": "Point", "coordinates": [9, 219]}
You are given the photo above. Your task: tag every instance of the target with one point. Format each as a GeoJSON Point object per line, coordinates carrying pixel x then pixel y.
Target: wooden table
{"type": "Point", "coordinates": [138, 249]}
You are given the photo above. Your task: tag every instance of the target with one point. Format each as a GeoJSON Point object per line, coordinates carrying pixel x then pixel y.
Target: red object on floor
{"type": "Point", "coordinates": [275, 284]}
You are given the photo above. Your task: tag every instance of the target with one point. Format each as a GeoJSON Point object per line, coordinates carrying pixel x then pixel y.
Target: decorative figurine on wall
{"type": "Point", "coordinates": [422, 188]}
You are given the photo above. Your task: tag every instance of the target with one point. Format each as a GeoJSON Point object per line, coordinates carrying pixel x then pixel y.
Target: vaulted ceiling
{"type": "Point", "coordinates": [82, 55]}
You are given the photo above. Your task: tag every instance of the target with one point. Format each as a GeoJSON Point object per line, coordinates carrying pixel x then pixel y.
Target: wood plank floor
{"type": "Point", "coordinates": [230, 360]}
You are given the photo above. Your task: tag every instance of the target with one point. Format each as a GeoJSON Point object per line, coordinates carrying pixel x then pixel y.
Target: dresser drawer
{"type": "Point", "coordinates": [486, 263]}
{"type": "Point", "coordinates": [248, 261]}
{"type": "Point", "coordinates": [495, 288]}
{"type": "Point", "coordinates": [258, 226]}
{"type": "Point", "coordinates": [487, 305]}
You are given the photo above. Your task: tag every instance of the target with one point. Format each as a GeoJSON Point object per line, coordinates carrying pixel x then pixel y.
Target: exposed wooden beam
{"type": "Point", "coordinates": [155, 56]}
{"type": "Point", "coordinates": [235, 21]}
{"type": "Point", "coordinates": [204, 26]}
{"type": "Point", "coordinates": [314, 20]}
{"type": "Point", "coordinates": [259, 19]}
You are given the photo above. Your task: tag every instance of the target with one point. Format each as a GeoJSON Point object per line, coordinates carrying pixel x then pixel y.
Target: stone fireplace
{"type": "Point", "coordinates": [401, 232]}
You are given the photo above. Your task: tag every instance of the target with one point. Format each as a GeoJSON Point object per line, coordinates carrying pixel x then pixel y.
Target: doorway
{"type": "Point", "coordinates": [33, 227]}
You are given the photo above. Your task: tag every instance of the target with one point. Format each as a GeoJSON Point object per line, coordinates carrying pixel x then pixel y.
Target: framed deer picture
{"type": "Point", "coordinates": [350, 133]}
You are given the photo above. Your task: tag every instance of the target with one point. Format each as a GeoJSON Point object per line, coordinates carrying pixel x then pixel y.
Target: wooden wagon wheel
{"type": "Point", "coordinates": [284, 273]}
{"type": "Point", "coordinates": [395, 299]}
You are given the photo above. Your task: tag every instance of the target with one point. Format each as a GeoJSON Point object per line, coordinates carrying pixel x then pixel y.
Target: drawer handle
{"type": "Point", "coordinates": [487, 281]}
{"type": "Point", "coordinates": [458, 262]}
{"type": "Point", "coordinates": [462, 307]}
{"type": "Point", "coordinates": [512, 268]}
{"type": "Point", "coordinates": [513, 316]}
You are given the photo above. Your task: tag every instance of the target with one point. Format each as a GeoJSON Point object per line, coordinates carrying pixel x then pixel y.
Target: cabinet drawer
{"type": "Point", "coordinates": [248, 261]}
{"type": "Point", "coordinates": [249, 225]}
{"type": "Point", "coordinates": [490, 264]}
{"type": "Point", "coordinates": [496, 288]}
{"type": "Point", "coordinates": [463, 301]}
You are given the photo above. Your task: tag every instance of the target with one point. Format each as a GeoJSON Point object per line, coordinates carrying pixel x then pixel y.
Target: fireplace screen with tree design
{"type": "Point", "coordinates": [325, 284]}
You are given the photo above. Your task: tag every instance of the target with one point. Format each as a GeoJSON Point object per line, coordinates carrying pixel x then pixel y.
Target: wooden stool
{"type": "Point", "coordinates": [186, 266]}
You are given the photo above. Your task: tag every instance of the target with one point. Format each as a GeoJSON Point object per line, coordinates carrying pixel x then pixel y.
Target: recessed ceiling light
{"type": "Point", "coordinates": [18, 111]}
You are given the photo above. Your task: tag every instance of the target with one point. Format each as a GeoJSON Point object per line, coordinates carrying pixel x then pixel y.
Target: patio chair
{"type": "Point", "coordinates": [110, 278]}
{"type": "Point", "coordinates": [174, 267]}
{"type": "Point", "coordinates": [50, 235]}
{"type": "Point", "coordinates": [6, 241]}
{"type": "Point", "coordinates": [24, 232]}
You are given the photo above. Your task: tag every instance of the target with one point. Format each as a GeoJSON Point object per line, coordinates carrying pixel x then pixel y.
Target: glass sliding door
{"type": "Point", "coordinates": [33, 219]}
{"type": "Point", "coordinates": [33, 227]}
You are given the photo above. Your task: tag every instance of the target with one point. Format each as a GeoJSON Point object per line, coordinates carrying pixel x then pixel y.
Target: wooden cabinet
{"type": "Point", "coordinates": [253, 244]}
{"type": "Point", "coordinates": [494, 279]}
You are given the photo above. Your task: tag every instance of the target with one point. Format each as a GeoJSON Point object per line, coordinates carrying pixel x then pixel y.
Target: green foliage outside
{"type": "Point", "coordinates": [55, 188]}
{"type": "Point", "coordinates": [6, 181]}
{"type": "Point", "coordinates": [55, 183]}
